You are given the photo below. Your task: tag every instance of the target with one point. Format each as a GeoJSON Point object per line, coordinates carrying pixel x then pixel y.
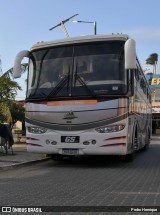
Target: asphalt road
{"type": "Point", "coordinates": [82, 182]}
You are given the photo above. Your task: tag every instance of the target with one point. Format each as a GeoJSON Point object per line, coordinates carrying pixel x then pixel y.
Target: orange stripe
{"type": "Point", "coordinates": [71, 102]}
{"type": "Point", "coordinates": [122, 106]}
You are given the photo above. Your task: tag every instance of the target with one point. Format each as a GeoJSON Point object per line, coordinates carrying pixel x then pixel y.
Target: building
{"type": "Point", "coordinates": [154, 82]}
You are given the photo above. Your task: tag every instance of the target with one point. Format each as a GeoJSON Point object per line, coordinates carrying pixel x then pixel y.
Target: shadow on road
{"type": "Point", "coordinates": [142, 160]}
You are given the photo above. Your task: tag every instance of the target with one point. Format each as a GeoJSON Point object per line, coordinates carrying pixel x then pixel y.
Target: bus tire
{"type": "Point", "coordinates": [147, 142]}
{"type": "Point", "coordinates": [131, 156]}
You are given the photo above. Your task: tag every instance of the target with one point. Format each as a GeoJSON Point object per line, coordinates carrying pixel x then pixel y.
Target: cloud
{"type": "Point", "coordinates": [145, 34]}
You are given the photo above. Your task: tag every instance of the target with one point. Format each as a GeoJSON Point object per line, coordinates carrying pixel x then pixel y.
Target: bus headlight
{"type": "Point", "coordinates": [37, 130]}
{"type": "Point", "coordinates": [110, 128]}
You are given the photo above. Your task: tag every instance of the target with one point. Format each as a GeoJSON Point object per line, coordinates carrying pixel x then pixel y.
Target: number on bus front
{"type": "Point", "coordinates": [70, 139]}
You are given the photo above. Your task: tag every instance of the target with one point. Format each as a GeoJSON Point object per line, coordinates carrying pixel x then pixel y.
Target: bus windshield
{"type": "Point", "coordinates": [77, 70]}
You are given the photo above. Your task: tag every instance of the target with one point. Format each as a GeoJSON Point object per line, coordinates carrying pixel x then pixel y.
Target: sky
{"type": "Point", "coordinates": [24, 23]}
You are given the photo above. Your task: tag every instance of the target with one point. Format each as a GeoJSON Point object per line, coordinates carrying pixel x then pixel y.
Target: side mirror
{"type": "Point", "coordinates": [17, 63]}
{"type": "Point", "coordinates": [130, 54]}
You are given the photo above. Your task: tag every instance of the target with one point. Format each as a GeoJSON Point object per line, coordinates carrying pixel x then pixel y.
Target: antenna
{"type": "Point", "coordinates": [63, 26]}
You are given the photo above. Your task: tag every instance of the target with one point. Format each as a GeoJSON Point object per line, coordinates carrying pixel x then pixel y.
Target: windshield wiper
{"type": "Point", "coordinates": [60, 86]}
{"type": "Point", "coordinates": [66, 80]}
{"type": "Point", "coordinates": [56, 89]}
{"type": "Point", "coordinates": [83, 83]}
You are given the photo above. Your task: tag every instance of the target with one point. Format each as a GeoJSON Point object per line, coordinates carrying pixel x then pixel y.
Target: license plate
{"type": "Point", "coordinates": [70, 139]}
{"type": "Point", "coordinates": [70, 151]}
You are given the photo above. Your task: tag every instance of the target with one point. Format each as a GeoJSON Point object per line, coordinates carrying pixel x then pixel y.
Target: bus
{"type": "Point", "coordinates": [86, 96]}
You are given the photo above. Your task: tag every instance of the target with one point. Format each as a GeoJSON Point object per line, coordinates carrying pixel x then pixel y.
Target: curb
{"type": "Point", "coordinates": [23, 163]}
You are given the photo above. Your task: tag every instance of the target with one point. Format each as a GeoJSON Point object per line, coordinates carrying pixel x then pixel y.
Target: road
{"type": "Point", "coordinates": [96, 182]}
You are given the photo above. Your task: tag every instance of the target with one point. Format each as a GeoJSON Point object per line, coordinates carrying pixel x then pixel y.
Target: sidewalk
{"type": "Point", "coordinates": [155, 137]}
{"type": "Point", "coordinates": [20, 156]}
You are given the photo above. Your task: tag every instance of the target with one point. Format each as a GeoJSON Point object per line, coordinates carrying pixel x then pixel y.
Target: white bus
{"type": "Point", "coordinates": [86, 96]}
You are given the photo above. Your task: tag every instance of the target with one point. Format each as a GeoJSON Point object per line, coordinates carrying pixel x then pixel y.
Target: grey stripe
{"type": "Point", "coordinates": [85, 126]}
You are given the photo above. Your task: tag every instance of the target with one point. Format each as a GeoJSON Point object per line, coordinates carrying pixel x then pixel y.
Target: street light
{"type": "Point", "coordinates": [95, 24]}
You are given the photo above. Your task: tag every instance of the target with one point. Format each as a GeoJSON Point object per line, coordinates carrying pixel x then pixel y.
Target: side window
{"type": "Point", "coordinates": [147, 92]}
{"type": "Point", "coordinates": [141, 83]}
{"type": "Point", "coordinates": [137, 74]}
{"type": "Point", "coordinates": [150, 98]}
{"type": "Point", "coordinates": [144, 88]}
{"type": "Point", "coordinates": [140, 78]}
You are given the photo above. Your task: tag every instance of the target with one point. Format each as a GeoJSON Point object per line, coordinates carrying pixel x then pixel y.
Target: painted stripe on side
{"type": "Point", "coordinates": [114, 144]}
{"type": "Point", "coordinates": [31, 138]}
{"type": "Point", "coordinates": [81, 111]}
{"type": "Point", "coordinates": [117, 138]}
{"type": "Point", "coordinates": [33, 144]}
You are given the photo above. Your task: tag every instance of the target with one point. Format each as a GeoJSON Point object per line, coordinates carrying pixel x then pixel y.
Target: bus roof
{"type": "Point", "coordinates": [82, 39]}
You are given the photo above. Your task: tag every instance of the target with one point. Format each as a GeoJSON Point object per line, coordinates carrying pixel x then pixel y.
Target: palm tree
{"type": "Point", "coordinates": [152, 60]}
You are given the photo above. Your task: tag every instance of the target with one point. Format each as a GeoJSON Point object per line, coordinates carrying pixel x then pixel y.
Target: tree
{"type": "Point", "coordinates": [8, 91]}
{"type": "Point", "coordinates": [8, 88]}
{"type": "Point", "coordinates": [152, 60]}
{"type": "Point", "coordinates": [17, 111]}
{"type": "Point", "coordinates": [5, 114]}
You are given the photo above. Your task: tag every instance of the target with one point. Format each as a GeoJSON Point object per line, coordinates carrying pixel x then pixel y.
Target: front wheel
{"type": "Point", "coordinates": [147, 142]}
{"type": "Point", "coordinates": [135, 145]}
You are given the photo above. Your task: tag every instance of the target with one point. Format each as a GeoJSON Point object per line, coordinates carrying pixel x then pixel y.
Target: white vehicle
{"type": "Point", "coordinates": [86, 96]}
